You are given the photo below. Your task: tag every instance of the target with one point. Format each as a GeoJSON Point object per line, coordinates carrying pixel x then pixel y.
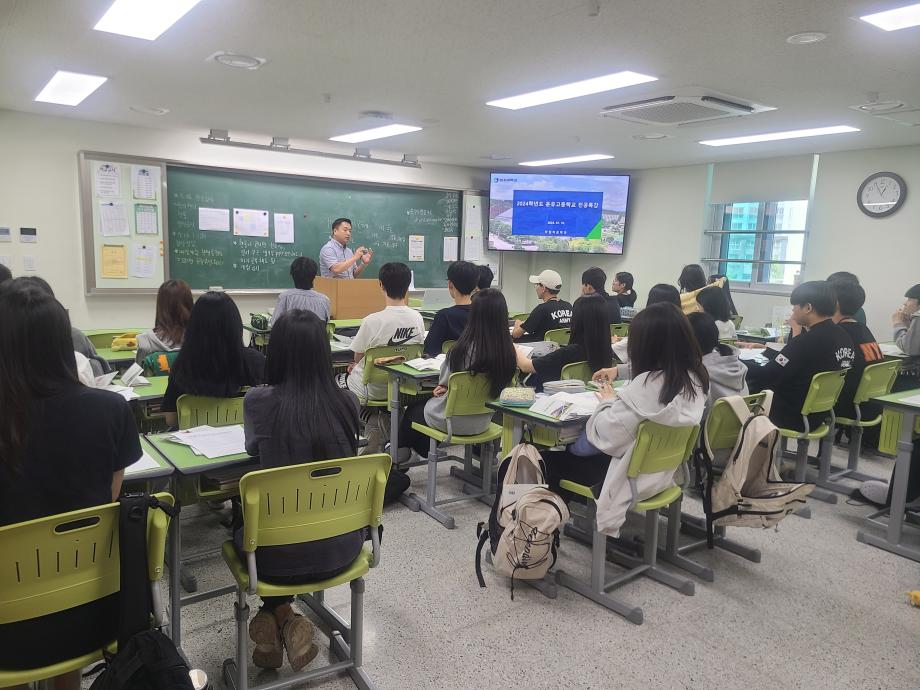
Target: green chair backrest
{"type": "Point", "coordinates": [619, 329]}
{"type": "Point", "coordinates": [62, 561]}
{"type": "Point", "coordinates": [195, 410]}
{"type": "Point", "coordinates": [659, 448]}
{"type": "Point", "coordinates": [824, 390]}
{"type": "Point", "coordinates": [317, 500]}
{"type": "Point", "coordinates": [446, 345]}
{"type": "Point", "coordinates": [467, 394]}
{"type": "Point", "coordinates": [577, 370]}
{"type": "Point", "coordinates": [415, 302]}
{"type": "Point", "coordinates": [877, 379]}
{"type": "Point", "coordinates": [737, 319]}
{"type": "Point", "coordinates": [103, 338]}
{"type": "Point", "coordinates": [372, 374]}
{"type": "Point", "coordinates": [159, 363]}
{"type": "Point", "coordinates": [558, 335]}
{"type": "Point", "coordinates": [519, 316]}
{"type": "Point", "coordinates": [722, 424]}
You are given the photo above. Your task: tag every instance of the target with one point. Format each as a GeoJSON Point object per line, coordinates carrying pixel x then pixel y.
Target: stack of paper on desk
{"type": "Point", "coordinates": [213, 442]}
{"type": "Point", "coordinates": [890, 350]}
{"type": "Point", "coordinates": [564, 406]}
{"type": "Point", "coordinates": [144, 464]}
{"type": "Point", "coordinates": [427, 364]}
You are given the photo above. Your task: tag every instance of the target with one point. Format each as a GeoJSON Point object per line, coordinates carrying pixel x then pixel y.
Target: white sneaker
{"type": "Point", "coordinates": [875, 491]}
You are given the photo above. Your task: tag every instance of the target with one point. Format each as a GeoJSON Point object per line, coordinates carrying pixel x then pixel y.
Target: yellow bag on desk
{"type": "Point", "coordinates": [124, 342]}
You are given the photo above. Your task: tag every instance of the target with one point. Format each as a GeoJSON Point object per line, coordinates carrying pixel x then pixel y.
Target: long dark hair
{"type": "Point", "coordinates": [590, 329]}
{"type": "Point", "coordinates": [662, 292]}
{"type": "Point", "coordinates": [174, 307]}
{"type": "Point", "coordinates": [692, 278]}
{"type": "Point", "coordinates": [713, 302]}
{"type": "Point", "coordinates": [36, 360]}
{"type": "Point", "coordinates": [211, 359]}
{"type": "Point", "coordinates": [707, 333]}
{"type": "Point", "coordinates": [660, 339]}
{"type": "Point", "coordinates": [299, 366]}
{"type": "Point", "coordinates": [485, 342]}
{"type": "Point", "coordinates": [727, 290]}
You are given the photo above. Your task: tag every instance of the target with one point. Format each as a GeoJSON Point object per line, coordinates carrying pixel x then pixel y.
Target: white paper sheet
{"type": "Point", "coordinates": [284, 228]}
{"type": "Point", "coordinates": [472, 247]}
{"type": "Point", "coordinates": [124, 391]}
{"type": "Point", "coordinates": [451, 248]}
{"type": "Point", "coordinates": [891, 350]}
{"type": "Point", "coordinates": [145, 219]}
{"type": "Point", "coordinates": [108, 180]}
{"type": "Point", "coordinates": [143, 182]}
{"type": "Point", "coordinates": [745, 353]}
{"type": "Point", "coordinates": [143, 260]}
{"type": "Point", "coordinates": [427, 364]}
{"type": "Point", "coordinates": [214, 442]}
{"type": "Point", "coordinates": [145, 464]}
{"type": "Point", "coordinates": [114, 219]}
{"type": "Point", "coordinates": [217, 219]}
{"type": "Point", "coordinates": [416, 247]}
{"type": "Point", "coordinates": [565, 406]}
{"type": "Point", "coordinates": [249, 222]}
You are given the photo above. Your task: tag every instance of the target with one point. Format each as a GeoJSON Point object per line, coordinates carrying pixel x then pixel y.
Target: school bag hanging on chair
{"type": "Point", "coordinates": [750, 492]}
{"type": "Point", "coordinates": [524, 523]}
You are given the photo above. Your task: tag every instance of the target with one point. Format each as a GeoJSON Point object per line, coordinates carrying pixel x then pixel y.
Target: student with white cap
{"type": "Point", "coordinates": [551, 313]}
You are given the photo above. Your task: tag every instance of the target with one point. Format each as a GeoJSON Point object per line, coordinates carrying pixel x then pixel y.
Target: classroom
{"type": "Point", "coordinates": [478, 344]}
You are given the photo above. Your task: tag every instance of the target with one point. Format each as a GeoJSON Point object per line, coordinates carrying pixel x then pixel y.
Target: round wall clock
{"type": "Point", "coordinates": [881, 194]}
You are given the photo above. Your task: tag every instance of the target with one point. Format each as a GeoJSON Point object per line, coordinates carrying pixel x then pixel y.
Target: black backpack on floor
{"type": "Point", "coordinates": [146, 658]}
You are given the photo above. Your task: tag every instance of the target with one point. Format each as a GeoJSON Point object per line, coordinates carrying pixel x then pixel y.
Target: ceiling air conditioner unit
{"type": "Point", "coordinates": [681, 110]}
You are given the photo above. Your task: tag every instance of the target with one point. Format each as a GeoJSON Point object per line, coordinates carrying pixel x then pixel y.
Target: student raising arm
{"type": "Point", "coordinates": [212, 361]}
{"type": "Point", "coordinates": [62, 447]}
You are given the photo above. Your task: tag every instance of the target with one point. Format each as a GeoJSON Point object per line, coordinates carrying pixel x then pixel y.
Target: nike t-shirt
{"type": "Point", "coordinates": [392, 326]}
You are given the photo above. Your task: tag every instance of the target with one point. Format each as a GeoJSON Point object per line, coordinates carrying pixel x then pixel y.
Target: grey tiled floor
{"type": "Point", "coordinates": [820, 611]}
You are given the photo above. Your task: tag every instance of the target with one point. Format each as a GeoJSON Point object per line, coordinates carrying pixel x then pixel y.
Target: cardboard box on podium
{"type": "Point", "coordinates": [351, 299]}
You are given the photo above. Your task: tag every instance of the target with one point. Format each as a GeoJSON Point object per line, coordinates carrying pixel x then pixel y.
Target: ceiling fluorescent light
{"type": "Point", "coordinates": [146, 19]}
{"type": "Point", "coordinates": [375, 133]}
{"type": "Point", "coordinates": [570, 159]}
{"type": "Point", "coordinates": [608, 82]}
{"type": "Point", "coordinates": [69, 88]}
{"type": "Point", "coordinates": [892, 20]}
{"type": "Point", "coordinates": [777, 136]}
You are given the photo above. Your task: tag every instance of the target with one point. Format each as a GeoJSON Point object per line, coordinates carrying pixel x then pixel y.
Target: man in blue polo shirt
{"type": "Point", "coordinates": [336, 260]}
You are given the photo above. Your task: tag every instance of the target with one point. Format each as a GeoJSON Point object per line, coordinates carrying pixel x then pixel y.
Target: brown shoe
{"type": "Point", "coordinates": [297, 633]}
{"type": "Point", "coordinates": [268, 652]}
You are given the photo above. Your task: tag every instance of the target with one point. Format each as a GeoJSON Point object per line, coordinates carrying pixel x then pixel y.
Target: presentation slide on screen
{"type": "Point", "coordinates": [558, 213]}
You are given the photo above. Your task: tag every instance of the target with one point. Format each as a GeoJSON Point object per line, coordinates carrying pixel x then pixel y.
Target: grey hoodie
{"type": "Point", "coordinates": [612, 429]}
{"type": "Point", "coordinates": [726, 376]}
{"type": "Point", "coordinates": [149, 341]}
{"type": "Point", "coordinates": [908, 337]}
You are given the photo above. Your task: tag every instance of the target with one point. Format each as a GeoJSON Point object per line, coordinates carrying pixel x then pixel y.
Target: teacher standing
{"type": "Point", "coordinates": [336, 260]}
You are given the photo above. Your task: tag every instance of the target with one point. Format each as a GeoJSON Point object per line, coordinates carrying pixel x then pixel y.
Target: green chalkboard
{"type": "Point", "coordinates": [383, 219]}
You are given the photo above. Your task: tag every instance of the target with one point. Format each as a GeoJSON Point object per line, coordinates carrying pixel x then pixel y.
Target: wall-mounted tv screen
{"type": "Point", "coordinates": [557, 213]}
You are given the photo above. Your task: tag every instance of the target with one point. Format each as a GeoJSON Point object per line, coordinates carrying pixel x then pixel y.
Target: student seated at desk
{"type": "Point", "coordinates": [726, 371]}
{"type": "Point", "coordinates": [692, 281]}
{"type": "Point", "coordinates": [822, 346]}
{"type": "Point", "coordinates": [906, 322]}
{"type": "Point", "coordinates": [448, 324]}
{"type": "Point", "coordinates": [589, 341]}
{"type": "Point", "coordinates": [661, 293]}
{"type": "Point", "coordinates": [550, 314]}
{"type": "Point", "coordinates": [213, 361]}
{"type": "Point", "coordinates": [302, 295]}
{"type": "Point", "coordinates": [669, 386]}
{"type": "Point", "coordinates": [174, 306]}
{"type": "Point", "coordinates": [484, 348]}
{"type": "Point", "coordinates": [847, 277]}
{"type": "Point", "coordinates": [714, 303]}
{"type": "Point", "coordinates": [299, 416]}
{"type": "Point", "coordinates": [850, 299]}
{"type": "Point", "coordinates": [592, 283]}
{"type": "Point", "coordinates": [486, 276]}
{"type": "Point", "coordinates": [622, 287]}
{"type": "Point", "coordinates": [63, 447]}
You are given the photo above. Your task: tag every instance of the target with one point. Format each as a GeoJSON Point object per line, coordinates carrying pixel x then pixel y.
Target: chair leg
{"type": "Point", "coordinates": [820, 491]}
{"type": "Point", "coordinates": [681, 584]}
{"type": "Point", "coordinates": [671, 553]}
{"type": "Point", "coordinates": [357, 673]}
{"type": "Point", "coordinates": [236, 671]}
{"type": "Point", "coordinates": [429, 504]}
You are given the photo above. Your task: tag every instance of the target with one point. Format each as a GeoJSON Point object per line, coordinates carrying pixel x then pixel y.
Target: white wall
{"type": "Point", "coordinates": [39, 188]}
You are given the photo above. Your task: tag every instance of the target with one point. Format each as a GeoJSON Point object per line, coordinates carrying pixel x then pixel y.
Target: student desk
{"type": "Point", "coordinates": [410, 381]}
{"type": "Point", "coordinates": [188, 465]}
{"type": "Point", "coordinates": [163, 468]}
{"type": "Point", "coordinates": [102, 337]}
{"type": "Point", "coordinates": [892, 351]}
{"type": "Point", "coordinates": [748, 337]}
{"type": "Point", "coordinates": [258, 337]}
{"type": "Point", "coordinates": [894, 524]}
{"type": "Point", "coordinates": [149, 393]}
{"type": "Point", "coordinates": [339, 324]}
{"type": "Point", "coordinates": [123, 358]}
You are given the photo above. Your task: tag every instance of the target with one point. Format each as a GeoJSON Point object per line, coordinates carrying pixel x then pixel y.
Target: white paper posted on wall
{"type": "Point", "coordinates": [145, 219]}
{"type": "Point", "coordinates": [249, 222]}
{"type": "Point", "coordinates": [143, 260]}
{"type": "Point", "coordinates": [284, 228]}
{"type": "Point", "coordinates": [108, 180]}
{"type": "Point", "coordinates": [451, 248]}
{"type": "Point", "coordinates": [114, 217]}
{"type": "Point", "coordinates": [215, 219]}
{"type": "Point", "coordinates": [416, 247]}
{"type": "Point", "coordinates": [144, 181]}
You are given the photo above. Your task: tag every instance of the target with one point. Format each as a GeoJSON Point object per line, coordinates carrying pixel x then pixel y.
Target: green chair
{"type": "Point", "coordinates": [466, 395]}
{"type": "Point", "coordinates": [196, 410]}
{"type": "Point", "coordinates": [658, 448]}
{"type": "Point", "coordinates": [580, 371]}
{"type": "Point", "coordinates": [737, 319]}
{"type": "Point", "coordinates": [376, 375]}
{"type": "Point", "coordinates": [890, 433]}
{"type": "Point", "coordinates": [62, 561]}
{"type": "Point", "coordinates": [415, 302]}
{"type": "Point", "coordinates": [519, 316]}
{"type": "Point", "coordinates": [305, 503]}
{"type": "Point", "coordinates": [877, 379]}
{"type": "Point", "coordinates": [822, 396]}
{"type": "Point", "coordinates": [446, 345]}
{"type": "Point", "coordinates": [621, 330]}
{"type": "Point", "coordinates": [558, 335]}
{"type": "Point", "coordinates": [159, 363]}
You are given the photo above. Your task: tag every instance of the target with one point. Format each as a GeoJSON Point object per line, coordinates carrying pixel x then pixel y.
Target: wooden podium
{"type": "Point", "coordinates": [351, 299]}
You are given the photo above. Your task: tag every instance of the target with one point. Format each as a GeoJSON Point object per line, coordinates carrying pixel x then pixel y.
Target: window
{"type": "Point", "coordinates": [760, 244]}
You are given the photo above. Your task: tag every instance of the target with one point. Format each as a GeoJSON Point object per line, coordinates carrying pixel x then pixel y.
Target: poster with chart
{"type": "Point", "coordinates": [124, 228]}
